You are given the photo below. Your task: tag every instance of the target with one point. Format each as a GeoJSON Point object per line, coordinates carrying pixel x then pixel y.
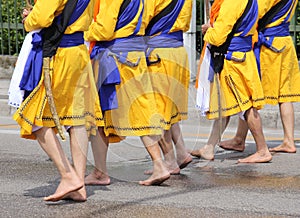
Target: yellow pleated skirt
{"type": "Point", "coordinates": [74, 92]}
{"type": "Point", "coordinates": [240, 88]}
{"type": "Point", "coordinates": [137, 113]}
{"type": "Point", "coordinates": [280, 72]}
{"type": "Point", "coordinates": [170, 78]}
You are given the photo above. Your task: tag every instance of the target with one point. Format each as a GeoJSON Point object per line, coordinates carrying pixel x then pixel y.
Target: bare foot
{"type": "Point", "coordinates": [175, 171]}
{"type": "Point", "coordinates": [284, 147]}
{"type": "Point", "coordinates": [159, 175]}
{"type": "Point", "coordinates": [66, 186]}
{"type": "Point", "coordinates": [258, 157]}
{"type": "Point", "coordinates": [97, 178]}
{"type": "Point", "coordinates": [233, 145]}
{"type": "Point", "coordinates": [78, 196]}
{"type": "Point", "coordinates": [207, 152]}
{"type": "Point", "coordinates": [148, 172]}
{"type": "Point", "coordinates": [186, 161]}
{"type": "Point", "coordinates": [171, 166]}
{"type": "Point", "coordinates": [155, 180]}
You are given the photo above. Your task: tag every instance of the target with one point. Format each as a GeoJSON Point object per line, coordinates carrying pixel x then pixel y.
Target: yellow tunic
{"type": "Point", "coordinates": [73, 85]}
{"type": "Point", "coordinates": [240, 83]}
{"type": "Point", "coordinates": [136, 114]}
{"type": "Point", "coordinates": [280, 71]}
{"type": "Point", "coordinates": [170, 77]}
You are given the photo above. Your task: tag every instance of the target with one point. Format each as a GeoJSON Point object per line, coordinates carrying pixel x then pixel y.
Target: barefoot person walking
{"type": "Point", "coordinates": [168, 66]}
{"type": "Point", "coordinates": [125, 89]}
{"type": "Point", "coordinates": [72, 86]}
{"type": "Point", "coordinates": [278, 65]}
{"type": "Point", "coordinates": [234, 22]}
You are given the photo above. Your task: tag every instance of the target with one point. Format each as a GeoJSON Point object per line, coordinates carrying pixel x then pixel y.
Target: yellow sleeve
{"type": "Point", "coordinates": [264, 6]}
{"type": "Point", "coordinates": [43, 13]}
{"type": "Point", "coordinates": [84, 21]}
{"type": "Point", "coordinates": [148, 12]}
{"type": "Point", "coordinates": [104, 27]}
{"type": "Point", "coordinates": [184, 18]}
{"type": "Point", "coordinates": [223, 25]}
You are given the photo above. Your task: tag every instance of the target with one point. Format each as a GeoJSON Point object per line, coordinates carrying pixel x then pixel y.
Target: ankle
{"type": "Point", "coordinates": [289, 143]}
{"type": "Point", "coordinates": [98, 173]}
{"type": "Point", "coordinates": [263, 151]}
{"type": "Point", "coordinates": [209, 147]}
{"type": "Point", "coordinates": [171, 164]}
{"type": "Point", "coordinates": [239, 140]}
{"type": "Point", "coordinates": [182, 155]}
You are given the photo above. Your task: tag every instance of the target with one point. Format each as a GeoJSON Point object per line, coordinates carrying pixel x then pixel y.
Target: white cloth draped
{"type": "Point", "coordinates": [15, 95]}
{"type": "Point", "coordinates": [203, 90]}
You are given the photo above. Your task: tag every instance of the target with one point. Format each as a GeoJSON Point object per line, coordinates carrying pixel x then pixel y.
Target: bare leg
{"type": "Point", "coordinates": [79, 145]}
{"type": "Point", "coordinates": [207, 152]}
{"type": "Point", "coordinates": [262, 154]}
{"type": "Point", "coordinates": [183, 157]}
{"type": "Point", "coordinates": [99, 176]}
{"type": "Point", "coordinates": [238, 141]}
{"type": "Point", "coordinates": [287, 119]}
{"type": "Point", "coordinates": [160, 172]}
{"type": "Point", "coordinates": [166, 146]}
{"type": "Point", "coordinates": [70, 181]}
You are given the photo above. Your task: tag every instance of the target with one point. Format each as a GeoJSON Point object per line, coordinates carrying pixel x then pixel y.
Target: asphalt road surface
{"type": "Point", "coordinates": [219, 188]}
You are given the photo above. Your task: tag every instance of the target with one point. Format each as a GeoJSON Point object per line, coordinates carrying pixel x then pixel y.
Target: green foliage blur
{"type": "Point", "coordinates": [12, 33]}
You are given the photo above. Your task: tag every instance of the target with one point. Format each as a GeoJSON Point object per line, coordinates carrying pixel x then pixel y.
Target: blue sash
{"type": "Point", "coordinates": [239, 44]}
{"type": "Point", "coordinates": [283, 28]}
{"type": "Point", "coordinates": [70, 40]}
{"type": "Point", "coordinates": [164, 40]}
{"type": "Point", "coordinates": [109, 74]}
{"type": "Point", "coordinates": [33, 67]}
{"type": "Point", "coordinates": [242, 42]}
{"type": "Point", "coordinates": [161, 29]}
{"type": "Point", "coordinates": [280, 30]}
{"type": "Point", "coordinates": [169, 40]}
{"type": "Point", "coordinates": [108, 51]}
{"type": "Point", "coordinates": [266, 37]}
